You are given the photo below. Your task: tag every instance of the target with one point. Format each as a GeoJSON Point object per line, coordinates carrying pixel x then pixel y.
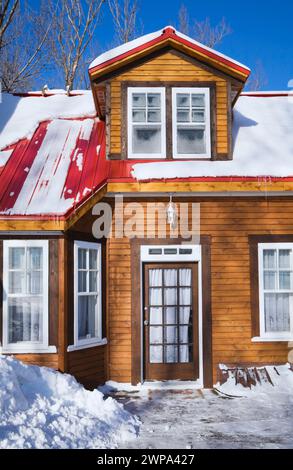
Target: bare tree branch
{"type": "Point", "coordinates": [258, 79]}
{"type": "Point", "coordinates": [74, 27]}
{"type": "Point", "coordinates": [8, 9]}
{"type": "Point", "coordinates": [183, 20]}
{"type": "Point", "coordinates": [210, 35]}
{"type": "Point", "coordinates": [124, 14]}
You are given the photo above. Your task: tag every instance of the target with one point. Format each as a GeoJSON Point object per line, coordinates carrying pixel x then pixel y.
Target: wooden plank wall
{"type": "Point", "coordinates": [228, 221]}
{"type": "Point", "coordinates": [88, 366]}
{"type": "Point", "coordinates": [169, 67]}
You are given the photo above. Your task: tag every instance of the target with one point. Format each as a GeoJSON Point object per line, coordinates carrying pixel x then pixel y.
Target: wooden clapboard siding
{"type": "Point", "coordinates": [88, 366]}
{"type": "Point", "coordinates": [45, 360]}
{"type": "Point", "coordinates": [173, 68]}
{"type": "Point", "coordinates": [229, 223]}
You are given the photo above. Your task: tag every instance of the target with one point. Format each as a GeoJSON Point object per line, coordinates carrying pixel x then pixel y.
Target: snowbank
{"type": "Point", "coordinates": [281, 377]}
{"type": "Point", "coordinates": [262, 139]}
{"type": "Point", "coordinates": [42, 408]}
{"type": "Point", "coordinates": [20, 116]}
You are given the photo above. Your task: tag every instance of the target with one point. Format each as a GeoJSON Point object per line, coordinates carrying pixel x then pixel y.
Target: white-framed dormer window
{"type": "Point", "coordinates": [25, 296]}
{"type": "Point", "coordinates": [276, 290]}
{"type": "Point", "coordinates": [191, 122]}
{"type": "Point", "coordinates": [87, 294]}
{"type": "Point", "coordinates": [146, 122]}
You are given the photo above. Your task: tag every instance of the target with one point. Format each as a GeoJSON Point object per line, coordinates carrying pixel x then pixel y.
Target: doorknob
{"type": "Point", "coordinates": [146, 323]}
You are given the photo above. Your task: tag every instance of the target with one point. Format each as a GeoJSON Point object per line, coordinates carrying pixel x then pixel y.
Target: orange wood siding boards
{"type": "Point", "coordinates": [88, 366]}
{"type": "Point", "coordinates": [44, 360]}
{"type": "Point", "coordinates": [229, 222]}
{"type": "Point", "coordinates": [169, 67]}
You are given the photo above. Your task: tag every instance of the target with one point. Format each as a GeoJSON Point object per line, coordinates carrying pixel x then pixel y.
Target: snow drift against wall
{"type": "Point", "coordinates": [42, 408]}
{"type": "Point", "coordinates": [20, 116]}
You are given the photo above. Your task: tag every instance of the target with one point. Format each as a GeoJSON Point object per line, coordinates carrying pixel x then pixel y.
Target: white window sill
{"type": "Point", "coordinates": [259, 339]}
{"type": "Point", "coordinates": [77, 347]}
{"type": "Point", "coordinates": [28, 350]}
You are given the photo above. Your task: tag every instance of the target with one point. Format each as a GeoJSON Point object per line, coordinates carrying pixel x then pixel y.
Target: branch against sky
{"type": "Point", "coordinates": [74, 26]}
{"type": "Point", "coordinates": [124, 15]}
{"type": "Point", "coordinates": [258, 79]}
{"type": "Point", "coordinates": [8, 9]}
{"type": "Point", "coordinates": [202, 31]}
{"type": "Point", "coordinates": [21, 61]}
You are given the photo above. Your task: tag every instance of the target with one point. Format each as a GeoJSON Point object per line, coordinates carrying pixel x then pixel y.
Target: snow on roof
{"type": "Point", "coordinates": [21, 115]}
{"type": "Point", "coordinates": [262, 140]}
{"type": "Point", "coordinates": [129, 46]}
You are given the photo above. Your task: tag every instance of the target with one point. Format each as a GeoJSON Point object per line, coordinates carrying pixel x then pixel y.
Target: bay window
{"type": "Point", "coordinates": [191, 122]}
{"type": "Point", "coordinates": [87, 292]}
{"type": "Point", "coordinates": [276, 290]}
{"type": "Point", "coordinates": [25, 295]}
{"type": "Point", "coordinates": [146, 123]}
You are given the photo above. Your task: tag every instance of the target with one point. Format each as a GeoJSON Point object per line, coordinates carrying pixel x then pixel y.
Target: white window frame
{"type": "Point", "coordinates": [271, 336]}
{"type": "Point", "coordinates": [207, 122]}
{"type": "Point", "coordinates": [130, 125]}
{"type": "Point", "coordinates": [26, 346]}
{"type": "Point", "coordinates": [91, 342]}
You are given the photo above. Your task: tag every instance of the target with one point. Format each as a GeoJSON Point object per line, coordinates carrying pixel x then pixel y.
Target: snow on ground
{"type": "Point", "coordinates": [42, 408]}
{"type": "Point", "coordinates": [20, 116]}
{"type": "Point", "coordinates": [199, 419]}
{"type": "Point", "coordinates": [263, 145]}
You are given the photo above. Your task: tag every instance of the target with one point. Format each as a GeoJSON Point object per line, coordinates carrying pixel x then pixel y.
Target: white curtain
{"type": "Point", "coordinates": [184, 312]}
{"type": "Point", "coordinates": [277, 312]}
{"type": "Point", "coordinates": [156, 332]}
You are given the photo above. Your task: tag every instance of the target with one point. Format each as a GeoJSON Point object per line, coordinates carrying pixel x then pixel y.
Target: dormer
{"type": "Point", "coordinates": [165, 96]}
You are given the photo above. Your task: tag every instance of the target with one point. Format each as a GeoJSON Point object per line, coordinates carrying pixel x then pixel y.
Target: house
{"type": "Point", "coordinates": [166, 122]}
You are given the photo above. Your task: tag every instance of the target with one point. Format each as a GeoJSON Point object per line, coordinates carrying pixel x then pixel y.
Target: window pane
{"type": "Point", "coordinates": [155, 315]}
{"type": "Point", "coordinates": [184, 315]}
{"type": "Point", "coordinates": [34, 258]}
{"type": "Point", "coordinates": [185, 296]}
{"type": "Point", "coordinates": [82, 258]}
{"type": "Point", "coordinates": [183, 100]}
{"type": "Point", "coordinates": [185, 334]}
{"type": "Point", "coordinates": [270, 280]}
{"type": "Point", "coordinates": [170, 296]}
{"type": "Point", "coordinates": [269, 259]}
{"type": "Point", "coordinates": [285, 280]}
{"type": "Point", "coordinates": [155, 296]}
{"type": "Point", "coordinates": [35, 282]}
{"type": "Point", "coordinates": [185, 353]}
{"type": "Point", "coordinates": [155, 277]}
{"type": "Point", "coordinates": [138, 100]}
{"type": "Point", "coordinates": [156, 334]}
{"type": "Point", "coordinates": [154, 100]}
{"type": "Point", "coordinates": [171, 334]}
{"type": "Point", "coordinates": [82, 276]}
{"type": "Point", "coordinates": [24, 320]}
{"type": "Point", "coordinates": [198, 116]}
{"type": "Point", "coordinates": [182, 115]}
{"type": "Point", "coordinates": [170, 277]}
{"type": "Point", "coordinates": [277, 312]}
{"type": "Point", "coordinates": [16, 282]}
{"type": "Point", "coordinates": [284, 259]}
{"type": "Point", "coordinates": [154, 116]}
{"type": "Point", "coordinates": [93, 280]}
{"type": "Point", "coordinates": [138, 115]}
{"type": "Point", "coordinates": [197, 100]}
{"type": "Point", "coordinates": [171, 353]}
{"type": "Point", "coordinates": [190, 140]}
{"type": "Point", "coordinates": [156, 354]}
{"type": "Point", "coordinates": [87, 327]}
{"type": "Point", "coordinates": [170, 315]}
{"type": "Point", "coordinates": [93, 259]}
{"type": "Point", "coordinates": [16, 258]}
{"type": "Point", "coordinates": [185, 277]}
{"type": "Point", "coordinates": [146, 139]}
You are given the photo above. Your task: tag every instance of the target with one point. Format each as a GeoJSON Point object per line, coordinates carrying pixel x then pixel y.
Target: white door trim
{"type": "Point", "coordinates": [194, 256]}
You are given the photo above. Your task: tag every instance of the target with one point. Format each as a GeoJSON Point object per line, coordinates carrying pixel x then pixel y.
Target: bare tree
{"type": "Point", "coordinates": [258, 79]}
{"type": "Point", "coordinates": [75, 22]}
{"type": "Point", "coordinates": [124, 14]}
{"type": "Point", "coordinates": [210, 35]}
{"type": "Point", "coordinates": [8, 9]}
{"type": "Point", "coordinates": [183, 20]}
{"type": "Point", "coordinates": [21, 62]}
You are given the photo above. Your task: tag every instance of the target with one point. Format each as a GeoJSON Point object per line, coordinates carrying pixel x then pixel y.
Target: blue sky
{"type": "Point", "coordinates": [262, 31]}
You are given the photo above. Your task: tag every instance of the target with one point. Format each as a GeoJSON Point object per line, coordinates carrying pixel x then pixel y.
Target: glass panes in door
{"type": "Point", "coordinates": [170, 333]}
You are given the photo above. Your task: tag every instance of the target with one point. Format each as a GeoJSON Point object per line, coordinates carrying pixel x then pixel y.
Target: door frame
{"type": "Point", "coordinates": [204, 307]}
